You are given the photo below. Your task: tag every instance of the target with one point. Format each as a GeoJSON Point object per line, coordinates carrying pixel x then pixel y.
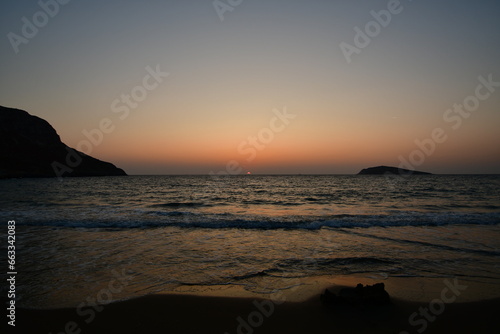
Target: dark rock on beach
{"type": "Point", "coordinates": [30, 147]}
{"type": "Point", "coordinates": [357, 298]}
{"type": "Point", "coordinates": [383, 170]}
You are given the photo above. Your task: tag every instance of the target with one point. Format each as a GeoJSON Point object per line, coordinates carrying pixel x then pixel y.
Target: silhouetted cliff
{"type": "Point", "coordinates": [380, 170]}
{"type": "Point", "coordinates": [30, 147]}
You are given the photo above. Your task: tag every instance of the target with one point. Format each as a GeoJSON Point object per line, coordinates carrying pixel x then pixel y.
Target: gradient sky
{"type": "Point", "coordinates": [226, 77]}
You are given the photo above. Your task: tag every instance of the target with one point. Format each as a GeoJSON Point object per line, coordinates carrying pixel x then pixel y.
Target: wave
{"type": "Point", "coordinates": [270, 202]}
{"type": "Point", "coordinates": [180, 219]}
{"type": "Point", "coordinates": [179, 205]}
{"type": "Point", "coordinates": [172, 213]}
{"type": "Point", "coordinates": [428, 244]}
{"type": "Point", "coordinates": [325, 262]}
{"type": "Point", "coordinates": [295, 267]}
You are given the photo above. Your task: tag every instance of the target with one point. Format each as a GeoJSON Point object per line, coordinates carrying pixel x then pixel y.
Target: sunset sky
{"type": "Point", "coordinates": [228, 79]}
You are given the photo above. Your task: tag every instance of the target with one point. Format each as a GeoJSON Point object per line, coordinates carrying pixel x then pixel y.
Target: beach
{"type": "Point", "coordinates": [227, 310]}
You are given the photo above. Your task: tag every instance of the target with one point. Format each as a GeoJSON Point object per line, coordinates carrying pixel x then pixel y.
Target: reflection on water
{"type": "Point", "coordinates": [67, 265]}
{"type": "Point", "coordinates": [259, 232]}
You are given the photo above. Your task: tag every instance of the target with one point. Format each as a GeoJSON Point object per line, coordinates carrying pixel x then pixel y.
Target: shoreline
{"type": "Point", "coordinates": [410, 289]}
{"type": "Point", "coordinates": [230, 310]}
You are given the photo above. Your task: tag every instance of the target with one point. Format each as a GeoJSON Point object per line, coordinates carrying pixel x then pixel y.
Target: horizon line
{"type": "Point", "coordinates": [306, 174]}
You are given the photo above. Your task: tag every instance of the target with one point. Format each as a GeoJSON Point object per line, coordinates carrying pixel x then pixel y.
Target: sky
{"type": "Point", "coordinates": [261, 86]}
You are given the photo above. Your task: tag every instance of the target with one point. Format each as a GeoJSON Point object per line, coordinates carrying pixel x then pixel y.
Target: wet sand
{"type": "Point", "coordinates": [226, 310]}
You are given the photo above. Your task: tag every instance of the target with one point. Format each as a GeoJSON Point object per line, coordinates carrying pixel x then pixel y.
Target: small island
{"type": "Point", "coordinates": [383, 170]}
{"type": "Point", "coordinates": [31, 147]}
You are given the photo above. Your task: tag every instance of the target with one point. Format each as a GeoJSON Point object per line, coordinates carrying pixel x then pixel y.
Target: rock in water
{"type": "Point", "coordinates": [30, 147]}
{"type": "Point", "coordinates": [358, 297]}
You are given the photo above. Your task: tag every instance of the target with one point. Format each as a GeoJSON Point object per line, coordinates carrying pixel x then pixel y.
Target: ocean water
{"type": "Point", "coordinates": [74, 237]}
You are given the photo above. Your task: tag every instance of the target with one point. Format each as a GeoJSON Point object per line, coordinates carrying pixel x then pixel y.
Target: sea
{"type": "Point", "coordinates": [118, 238]}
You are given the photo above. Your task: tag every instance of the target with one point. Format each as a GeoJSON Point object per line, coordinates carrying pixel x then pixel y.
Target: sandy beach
{"type": "Point", "coordinates": [433, 305]}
